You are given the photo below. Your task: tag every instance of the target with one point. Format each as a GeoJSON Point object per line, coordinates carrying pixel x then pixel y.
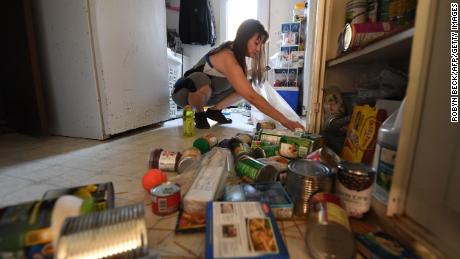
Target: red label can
{"type": "Point", "coordinates": [165, 198]}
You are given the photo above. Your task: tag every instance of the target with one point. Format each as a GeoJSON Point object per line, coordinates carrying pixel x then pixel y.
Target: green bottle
{"type": "Point", "coordinates": [188, 118]}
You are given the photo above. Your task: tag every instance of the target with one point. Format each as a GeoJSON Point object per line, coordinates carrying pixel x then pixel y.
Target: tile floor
{"type": "Point", "coordinates": [30, 166]}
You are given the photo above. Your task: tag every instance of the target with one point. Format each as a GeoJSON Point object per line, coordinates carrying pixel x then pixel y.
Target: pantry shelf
{"type": "Point", "coordinates": [391, 47]}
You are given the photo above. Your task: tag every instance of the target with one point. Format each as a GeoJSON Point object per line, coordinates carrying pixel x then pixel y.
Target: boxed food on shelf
{"type": "Point", "coordinates": [271, 193]}
{"type": "Point", "coordinates": [242, 229]}
{"type": "Point", "coordinates": [290, 33]}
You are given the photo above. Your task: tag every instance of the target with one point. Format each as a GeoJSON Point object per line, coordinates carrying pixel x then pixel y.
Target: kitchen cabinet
{"type": "Point", "coordinates": [423, 208]}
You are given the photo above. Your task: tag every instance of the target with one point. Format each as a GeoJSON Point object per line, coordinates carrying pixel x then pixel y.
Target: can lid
{"type": "Point", "coordinates": [202, 144]}
{"type": "Point", "coordinates": [308, 168]}
{"type": "Point", "coordinates": [355, 168]}
{"type": "Point", "coordinates": [330, 241]}
{"type": "Point", "coordinates": [165, 189]}
{"type": "Point", "coordinates": [347, 36]}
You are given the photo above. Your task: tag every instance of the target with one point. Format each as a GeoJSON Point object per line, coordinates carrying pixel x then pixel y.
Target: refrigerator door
{"type": "Point", "coordinates": [129, 42]}
{"type": "Point", "coordinates": [64, 38]}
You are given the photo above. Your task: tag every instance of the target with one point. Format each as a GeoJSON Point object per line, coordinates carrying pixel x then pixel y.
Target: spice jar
{"type": "Point", "coordinates": [354, 187]}
{"type": "Point", "coordinates": [164, 160]}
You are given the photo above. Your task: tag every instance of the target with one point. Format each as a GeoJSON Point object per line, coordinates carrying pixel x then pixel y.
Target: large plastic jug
{"type": "Point", "coordinates": [385, 153]}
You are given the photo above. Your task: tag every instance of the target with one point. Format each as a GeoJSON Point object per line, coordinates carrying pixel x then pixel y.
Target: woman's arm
{"type": "Point", "coordinates": [225, 62]}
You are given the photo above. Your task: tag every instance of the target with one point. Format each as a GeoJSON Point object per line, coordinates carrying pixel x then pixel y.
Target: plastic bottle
{"type": "Point", "coordinates": [385, 153]}
{"type": "Point", "coordinates": [188, 118]}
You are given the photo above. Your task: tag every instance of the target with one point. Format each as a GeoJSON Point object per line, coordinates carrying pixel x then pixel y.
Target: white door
{"type": "Point", "coordinates": [129, 39]}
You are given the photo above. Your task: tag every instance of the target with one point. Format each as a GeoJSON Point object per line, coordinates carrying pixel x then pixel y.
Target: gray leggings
{"type": "Point", "coordinates": [220, 88]}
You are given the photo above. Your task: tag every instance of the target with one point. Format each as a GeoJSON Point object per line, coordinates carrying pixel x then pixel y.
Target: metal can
{"type": "Point", "coordinates": [255, 171]}
{"type": "Point", "coordinates": [328, 232]}
{"type": "Point", "coordinates": [239, 148]}
{"type": "Point", "coordinates": [326, 156]}
{"type": "Point", "coordinates": [295, 147]}
{"type": "Point", "coordinates": [265, 125]}
{"type": "Point", "coordinates": [354, 186]}
{"type": "Point", "coordinates": [304, 178]}
{"type": "Point", "coordinates": [358, 35]}
{"type": "Point", "coordinates": [245, 138]}
{"type": "Point", "coordinates": [165, 198]}
{"type": "Point", "coordinates": [164, 160]}
{"type": "Point", "coordinates": [189, 156]}
{"type": "Point", "coordinates": [265, 151]}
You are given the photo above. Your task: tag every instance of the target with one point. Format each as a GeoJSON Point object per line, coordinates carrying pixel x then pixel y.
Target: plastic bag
{"type": "Point", "coordinates": [273, 97]}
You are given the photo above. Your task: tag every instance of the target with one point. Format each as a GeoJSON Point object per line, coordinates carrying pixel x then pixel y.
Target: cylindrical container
{"type": "Point", "coordinates": [385, 153]}
{"type": "Point", "coordinates": [372, 10]}
{"type": "Point", "coordinates": [255, 171]}
{"type": "Point", "coordinates": [204, 144]}
{"type": "Point", "coordinates": [164, 160]}
{"type": "Point", "coordinates": [189, 156]}
{"type": "Point", "coordinates": [259, 143]}
{"type": "Point", "coordinates": [295, 147]}
{"type": "Point", "coordinates": [356, 11]}
{"type": "Point", "coordinates": [328, 232]}
{"type": "Point", "coordinates": [165, 198]}
{"type": "Point", "coordinates": [354, 187]}
{"type": "Point", "coordinates": [326, 156]}
{"type": "Point", "coordinates": [245, 138]}
{"type": "Point", "coordinates": [188, 119]}
{"type": "Point", "coordinates": [265, 125]}
{"type": "Point", "coordinates": [117, 233]}
{"type": "Point", "coordinates": [239, 148]}
{"type": "Point", "coordinates": [265, 151]}
{"type": "Point", "coordinates": [304, 178]}
{"type": "Point", "coordinates": [358, 35]}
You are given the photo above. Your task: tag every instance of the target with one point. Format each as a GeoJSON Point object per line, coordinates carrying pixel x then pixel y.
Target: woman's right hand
{"type": "Point", "coordinates": [292, 125]}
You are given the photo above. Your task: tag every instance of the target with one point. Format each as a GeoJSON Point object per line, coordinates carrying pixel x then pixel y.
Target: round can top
{"type": "Point", "coordinates": [355, 168]}
{"type": "Point", "coordinates": [308, 168]}
{"type": "Point", "coordinates": [347, 36]}
{"type": "Point", "coordinates": [165, 189]}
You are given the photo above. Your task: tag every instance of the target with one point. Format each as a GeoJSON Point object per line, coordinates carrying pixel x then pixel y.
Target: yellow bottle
{"type": "Point", "coordinates": [188, 118]}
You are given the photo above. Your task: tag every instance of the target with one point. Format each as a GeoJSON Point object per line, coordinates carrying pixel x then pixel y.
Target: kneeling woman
{"type": "Point", "coordinates": [219, 79]}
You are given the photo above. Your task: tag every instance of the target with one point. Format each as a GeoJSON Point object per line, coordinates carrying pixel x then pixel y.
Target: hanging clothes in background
{"type": "Point", "coordinates": [196, 22]}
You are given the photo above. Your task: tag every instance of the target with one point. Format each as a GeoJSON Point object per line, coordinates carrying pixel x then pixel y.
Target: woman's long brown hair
{"type": "Point", "coordinates": [239, 47]}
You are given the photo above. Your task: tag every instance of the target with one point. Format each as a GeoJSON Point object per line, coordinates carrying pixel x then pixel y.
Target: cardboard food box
{"type": "Point", "coordinates": [242, 230]}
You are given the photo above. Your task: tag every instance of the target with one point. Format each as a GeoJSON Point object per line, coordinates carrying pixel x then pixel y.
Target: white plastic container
{"type": "Point", "coordinates": [385, 153]}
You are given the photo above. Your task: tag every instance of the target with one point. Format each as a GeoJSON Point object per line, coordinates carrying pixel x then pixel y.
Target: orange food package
{"type": "Point", "coordinates": [362, 132]}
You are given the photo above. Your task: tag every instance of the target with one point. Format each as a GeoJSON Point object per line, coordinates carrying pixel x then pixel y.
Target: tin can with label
{"type": "Point", "coordinates": [265, 151]}
{"type": "Point", "coordinates": [328, 232]}
{"type": "Point", "coordinates": [354, 186]}
{"type": "Point", "coordinates": [164, 160]}
{"type": "Point", "coordinates": [295, 147]}
{"type": "Point", "coordinates": [165, 198]}
{"type": "Point", "coordinates": [255, 171]}
{"type": "Point", "coordinates": [265, 125]}
{"type": "Point", "coordinates": [358, 35]}
{"type": "Point", "coordinates": [239, 148]}
{"type": "Point", "coordinates": [189, 156]}
{"type": "Point", "coordinates": [245, 138]}
{"type": "Point", "coordinates": [204, 144]}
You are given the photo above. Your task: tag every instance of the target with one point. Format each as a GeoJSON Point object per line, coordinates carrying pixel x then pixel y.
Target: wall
{"type": "Point", "coordinates": [280, 12]}
{"type": "Point", "coordinates": [194, 52]}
